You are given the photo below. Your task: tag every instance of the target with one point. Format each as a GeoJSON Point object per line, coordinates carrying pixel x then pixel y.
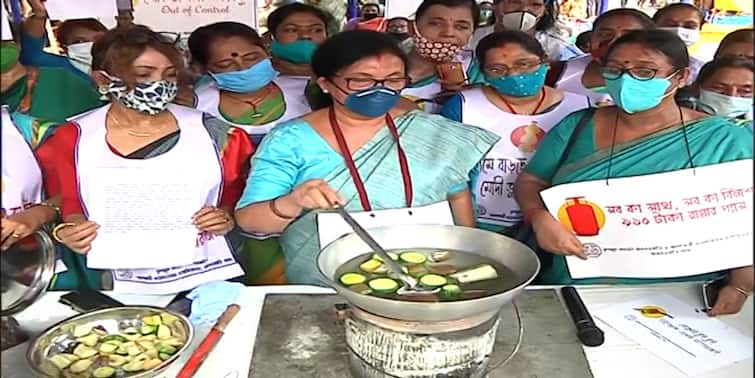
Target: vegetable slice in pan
{"type": "Point", "coordinates": [350, 279]}
{"type": "Point", "coordinates": [383, 285]}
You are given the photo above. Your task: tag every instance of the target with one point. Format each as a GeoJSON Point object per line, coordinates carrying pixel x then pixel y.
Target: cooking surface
{"type": "Point", "coordinates": [299, 336]}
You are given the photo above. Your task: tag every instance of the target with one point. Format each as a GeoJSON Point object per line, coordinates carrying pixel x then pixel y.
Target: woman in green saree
{"type": "Point", "coordinates": [366, 152]}
{"type": "Point", "coordinates": [641, 135]}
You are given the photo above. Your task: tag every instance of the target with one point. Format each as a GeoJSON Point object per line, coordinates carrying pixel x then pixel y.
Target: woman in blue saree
{"type": "Point", "coordinates": [365, 152]}
{"type": "Point", "coordinates": [641, 135]}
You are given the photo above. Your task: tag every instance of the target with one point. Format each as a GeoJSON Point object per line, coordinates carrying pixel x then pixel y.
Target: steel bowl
{"type": "Point", "coordinates": [513, 255]}
{"type": "Point", "coordinates": [59, 335]}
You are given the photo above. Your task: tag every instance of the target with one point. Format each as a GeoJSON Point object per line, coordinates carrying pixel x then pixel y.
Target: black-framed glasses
{"type": "Point", "coordinates": [639, 73]}
{"type": "Point", "coordinates": [362, 83]}
{"type": "Point", "coordinates": [499, 70]}
{"type": "Point", "coordinates": [169, 37]}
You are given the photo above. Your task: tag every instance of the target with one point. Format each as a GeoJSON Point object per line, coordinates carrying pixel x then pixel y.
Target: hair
{"type": "Point", "coordinates": [118, 48]}
{"type": "Point", "coordinates": [584, 38]}
{"type": "Point", "coordinates": [674, 6]}
{"type": "Point", "coordinates": [471, 4]}
{"type": "Point", "coordinates": [64, 30]}
{"type": "Point", "coordinates": [499, 39]}
{"type": "Point", "coordinates": [710, 68]}
{"type": "Point", "coordinates": [201, 39]}
{"type": "Point", "coordinates": [278, 16]}
{"type": "Point", "coordinates": [376, 5]}
{"type": "Point", "coordinates": [640, 17]}
{"type": "Point", "coordinates": [737, 36]}
{"type": "Point", "coordinates": [398, 18]}
{"type": "Point", "coordinates": [664, 42]}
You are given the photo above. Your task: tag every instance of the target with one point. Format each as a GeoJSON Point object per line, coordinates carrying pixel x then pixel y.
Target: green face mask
{"type": "Point", "coordinates": [299, 52]}
{"type": "Point", "coordinates": [8, 57]}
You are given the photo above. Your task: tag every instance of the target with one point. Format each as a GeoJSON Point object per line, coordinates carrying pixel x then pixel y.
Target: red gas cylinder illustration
{"type": "Point", "coordinates": [582, 216]}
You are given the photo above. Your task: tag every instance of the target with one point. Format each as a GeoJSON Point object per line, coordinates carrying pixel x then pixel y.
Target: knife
{"type": "Point", "coordinates": [204, 349]}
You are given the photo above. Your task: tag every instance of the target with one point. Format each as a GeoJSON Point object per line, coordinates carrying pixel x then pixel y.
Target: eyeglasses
{"type": "Point", "coordinates": [498, 70]}
{"type": "Point", "coordinates": [169, 37]}
{"type": "Point", "coordinates": [639, 73]}
{"type": "Point", "coordinates": [360, 84]}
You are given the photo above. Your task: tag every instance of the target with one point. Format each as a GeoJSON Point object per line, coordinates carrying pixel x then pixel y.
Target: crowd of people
{"type": "Point", "coordinates": [270, 130]}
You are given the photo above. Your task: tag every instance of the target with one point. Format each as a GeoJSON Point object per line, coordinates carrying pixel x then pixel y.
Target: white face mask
{"type": "Point", "coordinates": [727, 106]}
{"type": "Point", "coordinates": [80, 56]}
{"type": "Point", "coordinates": [688, 36]}
{"type": "Point", "coordinates": [519, 20]}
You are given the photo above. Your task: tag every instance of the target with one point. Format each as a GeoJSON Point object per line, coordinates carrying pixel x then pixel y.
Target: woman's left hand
{"type": "Point", "coordinates": [214, 220]}
{"type": "Point", "coordinates": [20, 225]}
{"type": "Point", "coordinates": [729, 301]}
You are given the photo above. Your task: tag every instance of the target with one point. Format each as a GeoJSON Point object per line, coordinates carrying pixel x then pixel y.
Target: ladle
{"type": "Point", "coordinates": [410, 285]}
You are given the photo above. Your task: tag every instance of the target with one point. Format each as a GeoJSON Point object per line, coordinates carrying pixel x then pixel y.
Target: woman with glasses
{"type": "Point", "coordinates": [516, 105]}
{"type": "Point", "coordinates": [159, 152]}
{"type": "Point", "coordinates": [724, 87]}
{"type": "Point", "coordinates": [645, 133]}
{"type": "Point", "coordinates": [365, 151]}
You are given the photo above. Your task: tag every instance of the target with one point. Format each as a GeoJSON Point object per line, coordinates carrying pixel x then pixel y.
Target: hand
{"type": "Point", "coordinates": [553, 237]}
{"type": "Point", "coordinates": [21, 225]}
{"type": "Point", "coordinates": [314, 194]}
{"type": "Point", "coordinates": [214, 220]}
{"type": "Point", "coordinates": [79, 237]}
{"type": "Point", "coordinates": [729, 301]}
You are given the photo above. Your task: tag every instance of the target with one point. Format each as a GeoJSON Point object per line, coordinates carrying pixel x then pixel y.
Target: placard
{"type": "Point", "coordinates": [7, 35]}
{"type": "Point", "coordinates": [185, 16]}
{"type": "Point", "coordinates": [401, 8]}
{"type": "Point", "coordinates": [73, 9]}
{"type": "Point", "coordinates": [673, 224]}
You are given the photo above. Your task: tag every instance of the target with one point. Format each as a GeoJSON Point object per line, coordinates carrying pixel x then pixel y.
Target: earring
{"type": "Point", "coordinates": [102, 89]}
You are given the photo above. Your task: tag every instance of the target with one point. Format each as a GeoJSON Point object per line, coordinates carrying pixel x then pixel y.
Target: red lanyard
{"type": "Point", "coordinates": [403, 163]}
{"type": "Point", "coordinates": [539, 103]}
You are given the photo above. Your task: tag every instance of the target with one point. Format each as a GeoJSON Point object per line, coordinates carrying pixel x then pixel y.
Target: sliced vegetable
{"type": "Point", "coordinates": [99, 330]}
{"type": "Point", "coordinates": [133, 350]}
{"type": "Point", "coordinates": [116, 339]}
{"type": "Point", "coordinates": [361, 289]}
{"type": "Point", "coordinates": [146, 345]}
{"type": "Point", "coordinates": [103, 372]}
{"type": "Point", "coordinates": [83, 351]}
{"type": "Point", "coordinates": [440, 256]}
{"type": "Point", "coordinates": [81, 331]}
{"type": "Point", "coordinates": [371, 265]}
{"type": "Point", "coordinates": [392, 255]}
{"type": "Point", "coordinates": [417, 270]}
{"type": "Point", "coordinates": [172, 342]}
{"type": "Point", "coordinates": [149, 364]}
{"type": "Point", "coordinates": [450, 291]}
{"type": "Point", "coordinates": [383, 285]}
{"type": "Point", "coordinates": [479, 273]}
{"type": "Point", "coordinates": [167, 318]}
{"type": "Point", "coordinates": [163, 332]}
{"type": "Point", "coordinates": [349, 279]}
{"type": "Point", "coordinates": [413, 257]}
{"type": "Point", "coordinates": [432, 280]}
{"type": "Point", "coordinates": [148, 329]}
{"type": "Point", "coordinates": [153, 320]}
{"type": "Point", "coordinates": [115, 360]}
{"type": "Point", "coordinates": [89, 340]}
{"type": "Point", "coordinates": [61, 361]}
{"type": "Point", "coordinates": [442, 269]}
{"type": "Point", "coordinates": [133, 366]}
{"type": "Point", "coordinates": [169, 349]}
{"type": "Point", "coordinates": [108, 348]}
{"type": "Point", "coordinates": [164, 356]}
{"type": "Point", "coordinates": [80, 366]}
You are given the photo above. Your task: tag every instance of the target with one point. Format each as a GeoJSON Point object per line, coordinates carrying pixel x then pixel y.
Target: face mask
{"type": "Point", "coordinates": [248, 80]}
{"type": "Point", "coordinates": [727, 106]}
{"type": "Point", "coordinates": [633, 96]}
{"type": "Point", "coordinates": [150, 98]}
{"type": "Point", "coordinates": [688, 36]}
{"type": "Point", "coordinates": [435, 51]}
{"type": "Point", "coordinates": [520, 85]}
{"type": "Point", "coordinates": [369, 16]}
{"type": "Point", "coordinates": [8, 57]}
{"type": "Point", "coordinates": [299, 52]}
{"type": "Point", "coordinates": [372, 102]}
{"type": "Point", "coordinates": [80, 56]}
{"type": "Point", "coordinates": [519, 20]}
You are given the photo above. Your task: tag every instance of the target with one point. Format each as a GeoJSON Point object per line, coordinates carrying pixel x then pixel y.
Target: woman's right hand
{"type": "Point", "coordinates": [553, 237]}
{"type": "Point", "coordinates": [79, 236]}
{"type": "Point", "coordinates": [314, 194]}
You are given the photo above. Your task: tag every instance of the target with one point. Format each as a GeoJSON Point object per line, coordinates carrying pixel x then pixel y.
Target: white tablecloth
{"type": "Point", "coordinates": [618, 357]}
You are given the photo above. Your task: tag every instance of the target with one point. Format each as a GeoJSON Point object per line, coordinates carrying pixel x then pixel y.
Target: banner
{"type": "Point", "coordinates": [73, 9]}
{"type": "Point", "coordinates": [185, 16]}
{"type": "Point", "coordinates": [401, 8]}
{"type": "Point", "coordinates": [673, 224]}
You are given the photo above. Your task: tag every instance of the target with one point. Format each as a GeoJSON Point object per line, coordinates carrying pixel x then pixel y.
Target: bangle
{"type": "Point", "coordinates": [277, 212]}
{"type": "Point", "coordinates": [58, 228]}
{"type": "Point", "coordinates": [529, 213]}
{"type": "Point", "coordinates": [741, 291]}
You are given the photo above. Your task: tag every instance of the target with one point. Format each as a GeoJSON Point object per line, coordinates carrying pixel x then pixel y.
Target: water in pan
{"type": "Point", "coordinates": [448, 264]}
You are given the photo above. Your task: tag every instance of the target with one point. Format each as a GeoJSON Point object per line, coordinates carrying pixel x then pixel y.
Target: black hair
{"type": "Point", "coordinates": [201, 38]}
{"type": "Point", "coordinates": [498, 39]}
{"type": "Point", "coordinates": [737, 36]}
{"type": "Point", "coordinates": [471, 4]}
{"type": "Point", "coordinates": [398, 18]}
{"type": "Point", "coordinates": [584, 38]}
{"type": "Point", "coordinates": [278, 16]}
{"type": "Point", "coordinates": [710, 68]}
{"type": "Point", "coordinates": [548, 20]}
{"type": "Point", "coordinates": [371, 5]}
{"type": "Point", "coordinates": [671, 7]}
{"type": "Point", "coordinates": [664, 42]}
{"type": "Point", "coordinates": [642, 18]}
{"type": "Point", "coordinates": [64, 30]}
{"type": "Point", "coordinates": [345, 49]}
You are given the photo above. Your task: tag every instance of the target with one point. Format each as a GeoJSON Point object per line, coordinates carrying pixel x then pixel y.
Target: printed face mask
{"type": "Point", "coordinates": [436, 51]}
{"type": "Point", "coordinates": [519, 20]}
{"type": "Point", "coordinates": [151, 98]}
{"type": "Point", "coordinates": [727, 106]}
{"type": "Point", "coordinates": [634, 96]}
{"type": "Point", "coordinates": [80, 56]}
{"type": "Point", "coordinates": [299, 52]}
{"type": "Point", "coordinates": [249, 80]}
{"type": "Point", "coordinates": [520, 85]}
{"type": "Point", "coordinates": [688, 36]}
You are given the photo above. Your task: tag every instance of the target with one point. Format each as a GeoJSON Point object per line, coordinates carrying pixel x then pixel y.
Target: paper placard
{"type": "Point", "coordinates": [401, 8]}
{"type": "Point", "coordinates": [185, 16]}
{"type": "Point", "coordinates": [73, 9]}
{"type": "Point", "coordinates": [677, 333]}
{"type": "Point", "coordinates": [7, 35]}
{"type": "Point", "coordinates": [673, 224]}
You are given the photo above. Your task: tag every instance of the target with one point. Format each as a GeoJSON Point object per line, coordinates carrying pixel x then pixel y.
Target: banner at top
{"type": "Point", "coordinates": [185, 16]}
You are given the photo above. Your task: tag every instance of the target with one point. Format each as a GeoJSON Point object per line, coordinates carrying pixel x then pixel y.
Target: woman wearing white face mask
{"type": "Point", "coordinates": [725, 86]}
{"type": "Point", "coordinates": [686, 21]}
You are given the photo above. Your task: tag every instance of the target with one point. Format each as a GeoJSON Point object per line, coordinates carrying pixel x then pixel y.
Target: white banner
{"type": "Point", "coordinates": [401, 8]}
{"type": "Point", "coordinates": [185, 16]}
{"type": "Point", "coordinates": [73, 9]}
{"type": "Point", "coordinates": [674, 224]}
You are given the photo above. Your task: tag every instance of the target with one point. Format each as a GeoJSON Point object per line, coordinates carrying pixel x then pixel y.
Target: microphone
{"type": "Point", "coordinates": [587, 332]}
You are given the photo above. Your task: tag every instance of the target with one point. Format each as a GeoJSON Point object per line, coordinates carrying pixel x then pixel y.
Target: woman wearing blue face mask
{"type": "Point", "coordinates": [296, 29]}
{"type": "Point", "coordinates": [246, 90]}
{"type": "Point", "coordinates": [725, 86]}
{"type": "Point", "coordinates": [645, 133]}
{"type": "Point", "coordinates": [516, 105]}
{"type": "Point", "coordinates": [364, 151]}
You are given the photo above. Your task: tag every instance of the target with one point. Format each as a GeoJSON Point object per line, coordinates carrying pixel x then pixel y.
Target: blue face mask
{"type": "Point", "coordinates": [299, 52]}
{"type": "Point", "coordinates": [248, 80]}
{"type": "Point", "coordinates": [633, 96]}
{"type": "Point", "coordinates": [520, 85]}
{"type": "Point", "coordinates": [373, 102]}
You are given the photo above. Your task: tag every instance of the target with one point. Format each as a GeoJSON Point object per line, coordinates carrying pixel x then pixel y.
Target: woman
{"type": "Point", "coordinates": [443, 28]}
{"type": "Point", "coordinates": [306, 165]}
{"type": "Point", "coordinates": [725, 86]}
{"type": "Point", "coordinates": [247, 91]}
{"type": "Point", "coordinates": [297, 29]}
{"type": "Point", "coordinates": [686, 21]}
{"type": "Point", "coordinates": [156, 144]}
{"type": "Point", "coordinates": [739, 43]}
{"type": "Point", "coordinates": [519, 108]}
{"type": "Point", "coordinates": [535, 17]}
{"type": "Point", "coordinates": [642, 135]}
{"type": "Point", "coordinates": [582, 75]}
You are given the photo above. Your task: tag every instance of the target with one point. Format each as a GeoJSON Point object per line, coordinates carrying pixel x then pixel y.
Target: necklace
{"type": "Point", "coordinates": [117, 123]}
{"type": "Point", "coordinates": [537, 107]}
{"type": "Point", "coordinates": [255, 103]}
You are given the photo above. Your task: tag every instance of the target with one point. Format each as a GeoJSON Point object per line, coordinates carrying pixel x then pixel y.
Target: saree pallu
{"type": "Point", "coordinates": [711, 141]}
{"type": "Point", "coordinates": [441, 156]}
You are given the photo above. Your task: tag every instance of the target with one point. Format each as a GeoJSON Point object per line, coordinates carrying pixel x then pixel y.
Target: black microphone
{"type": "Point", "coordinates": [589, 334]}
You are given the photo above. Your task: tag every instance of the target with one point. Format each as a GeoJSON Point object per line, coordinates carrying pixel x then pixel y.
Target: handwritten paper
{"type": "Point", "coordinates": [7, 35]}
{"type": "Point", "coordinates": [672, 224]}
{"type": "Point", "coordinates": [73, 9]}
{"type": "Point", "coordinates": [185, 16]}
{"type": "Point", "coordinates": [674, 331]}
{"type": "Point", "coordinates": [145, 222]}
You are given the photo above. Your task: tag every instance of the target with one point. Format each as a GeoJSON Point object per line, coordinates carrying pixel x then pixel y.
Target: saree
{"type": "Point", "coordinates": [441, 156]}
{"type": "Point", "coordinates": [710, 140]}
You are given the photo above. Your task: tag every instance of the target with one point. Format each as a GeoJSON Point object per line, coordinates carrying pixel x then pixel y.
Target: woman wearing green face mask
{"type": "Point", "coordinates": [297, 29]}
{"type": "Point", "coordinates": [646, 133]}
